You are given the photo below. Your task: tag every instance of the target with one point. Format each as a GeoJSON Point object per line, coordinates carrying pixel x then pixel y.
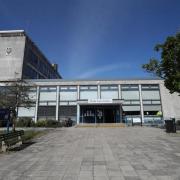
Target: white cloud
{"type": "Point", "coordinates": [107, 68]}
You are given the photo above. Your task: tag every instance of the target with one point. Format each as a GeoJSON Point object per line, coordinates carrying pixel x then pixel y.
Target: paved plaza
{"type": "Point", "coordinates": [96, 154]}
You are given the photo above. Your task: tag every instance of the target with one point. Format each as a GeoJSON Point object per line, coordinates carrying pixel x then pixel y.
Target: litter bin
{"type": "Point", "coordinates": [170, 126]}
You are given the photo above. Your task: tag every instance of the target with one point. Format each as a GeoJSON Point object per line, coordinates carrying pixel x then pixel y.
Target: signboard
{"type": "Point", "coordinates": [99, 101]}
{"type": "Point", "coordinates": [137, 120]}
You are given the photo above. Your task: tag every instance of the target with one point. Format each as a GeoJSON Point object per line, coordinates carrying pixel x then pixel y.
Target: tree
{"type": "Point", "coordinates": [168, 68]}
{"type": "Point", "coordinates": [14, 95]}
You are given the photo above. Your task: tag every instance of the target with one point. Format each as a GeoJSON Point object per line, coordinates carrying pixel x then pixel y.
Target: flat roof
{"type": "Point", "coordinates": [69, 80]}
{"type": "Point", "coordinates": [11, 31]}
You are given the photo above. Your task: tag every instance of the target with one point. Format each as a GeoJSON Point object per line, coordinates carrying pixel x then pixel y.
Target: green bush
{"type": "Point", "coordinates": [52, 123]}
{"type": "Point", "coordinates": [41, 123]}
{"type": "Point", "coordinates": [178, 122]}
{"type": "Point", "coordinates": [25, 122]}
{"type": "Point", "coordinates": [48, 123]}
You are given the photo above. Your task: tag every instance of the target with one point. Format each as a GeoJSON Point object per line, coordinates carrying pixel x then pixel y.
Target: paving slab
{"type": "Point", "coordinates": [96, 154]}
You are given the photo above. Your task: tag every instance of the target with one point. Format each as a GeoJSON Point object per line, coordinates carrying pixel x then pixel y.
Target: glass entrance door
{"type": "Point", "coordinates": [99, 116]}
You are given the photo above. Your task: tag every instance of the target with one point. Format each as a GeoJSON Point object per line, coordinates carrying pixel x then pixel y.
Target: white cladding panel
{"type": "Point", "coordinates": [150, 95]}
{"type": "Point", "coordinates": [130, 94]}
{"type": "Point", "coordinates": [109, 94]}
{"type": "Point", "coordinates": [131, 108]}
{"type": "Point", "coordinates": [88, 95]}
{"type": "Point", "coordinates": [68, 96]}
{"type": "Point", "coordinates": [152, 108]}
{"type": "Point", "coordinates": [26, 112]}
{"type": "Point", "coordinates": [48, 96]}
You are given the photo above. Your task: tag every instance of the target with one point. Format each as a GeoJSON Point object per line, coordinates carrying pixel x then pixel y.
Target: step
{"type": "Point", "coordinates": [104, 125]}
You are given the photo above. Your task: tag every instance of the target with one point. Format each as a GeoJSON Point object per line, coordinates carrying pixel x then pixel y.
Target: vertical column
{"type": "Point", "coordinates": [99, 92]}
{"type": "Point", "coordinates": [78, 92]}
{"type": "Point", "coordinates": [161, 100]}
{"type": "Point", "coordinates": [141, 104]}
{"type": "Point", "coordinates": [78, 113]}
{"type": "Point", "coordinates": [119, 91]}
{"type": "Point", "coordinates": [57, 103]}
{"type": "Point", "coordinates": [120, 106]}
{"type": "Point", "coordinates": [120, 113]}
{"type": "Point", "coordinates": [37, 104]}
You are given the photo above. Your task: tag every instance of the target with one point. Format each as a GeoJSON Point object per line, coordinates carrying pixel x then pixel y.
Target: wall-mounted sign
{"type": "Point", "coordinates": [99, 101]}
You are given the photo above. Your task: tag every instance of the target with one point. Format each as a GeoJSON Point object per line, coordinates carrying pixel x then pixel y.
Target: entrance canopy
{"type": "Point", "coordinates": [100, 101]}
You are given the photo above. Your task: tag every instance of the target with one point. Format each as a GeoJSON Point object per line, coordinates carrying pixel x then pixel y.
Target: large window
{"type": "Point", "coordinates": [150, 94]}
{"type": "Point", "coordinates": [109, 92]}
{"type": "Point", "coordinates": [88, 92]}
{"type": "Point", "coordinates": [26, 112]}
{"type": "Point", "coordinates": [47, 94]}
{"type": "Point", "coordinates": [68, 93]}
{"type": "Point", "coordinates": [130, 92]}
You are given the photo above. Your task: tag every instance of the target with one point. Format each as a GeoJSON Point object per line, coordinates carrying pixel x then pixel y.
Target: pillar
{"type": "Point", "coordinates": [99, 92]}
{"type": "Point", "coordinates": [119, 91]}
{"type": "Point", "coordinates": [141, 104]}
{"type": "Point", "coordinates": [57, 103]}
{"type": "Point", "coordinates": [37, 104]}
{"type": "Point", "coordinates": [78, 113]}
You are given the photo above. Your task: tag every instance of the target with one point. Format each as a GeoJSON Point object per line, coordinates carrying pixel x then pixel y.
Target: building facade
{"type": "Point", "coordinates": [102, 101]}
{"type": "Point", "coordinates": [84, 101]}
{"type": "Point", "coordinates": [20, 58]}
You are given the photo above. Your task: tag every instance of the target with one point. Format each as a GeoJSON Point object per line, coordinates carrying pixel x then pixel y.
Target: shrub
{"type": "Point", "coordinates": [52, 123]}
{"type": "Point", "coordinates": [41, 123]}
{"type": "Point", "coordinates": [67, 122]}
{"type": "Point", "coordinates": [25, 122]}
{"type": "Point", "coordinates": [48, 123]}
{"type": "Point", "coordinates": [178, 122]}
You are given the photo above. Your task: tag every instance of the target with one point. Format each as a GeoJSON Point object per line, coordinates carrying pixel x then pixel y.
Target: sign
{"type": "Point", "coordinates": [137, 120]}
{"type": "Point", "coordinates": [99, 101]}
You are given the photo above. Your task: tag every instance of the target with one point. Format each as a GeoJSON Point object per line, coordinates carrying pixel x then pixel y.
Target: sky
{"type": "Point", "coordinates": [95, 39]}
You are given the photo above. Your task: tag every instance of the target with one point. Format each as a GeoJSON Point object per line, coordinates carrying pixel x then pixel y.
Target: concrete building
{"type": "Point", "coordinates": [20, 58]}
{"type": "Point", "coordinates": [144, 101]}
{"type": "Point", "coordinates": [102, 101]}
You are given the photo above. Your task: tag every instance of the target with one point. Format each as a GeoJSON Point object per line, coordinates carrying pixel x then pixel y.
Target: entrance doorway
{"type": "Point", "coordinates": [100, 114]}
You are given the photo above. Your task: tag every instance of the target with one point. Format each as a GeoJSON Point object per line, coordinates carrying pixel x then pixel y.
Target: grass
{"type": "Point", "coordinates": [31, 134]}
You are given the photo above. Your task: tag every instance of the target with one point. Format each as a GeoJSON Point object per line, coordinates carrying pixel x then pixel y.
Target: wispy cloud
{"type": "Point", "coordinates": [107, 68]}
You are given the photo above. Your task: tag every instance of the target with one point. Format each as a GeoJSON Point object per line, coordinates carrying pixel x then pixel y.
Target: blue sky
{"type": "Point", "coordinates": [95, 39]}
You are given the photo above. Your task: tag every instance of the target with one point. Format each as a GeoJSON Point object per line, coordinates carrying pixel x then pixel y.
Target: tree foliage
{"type": "Point", "coordinates": [168, 67]}
{"type": "Point", "coordinates": [14, 95]}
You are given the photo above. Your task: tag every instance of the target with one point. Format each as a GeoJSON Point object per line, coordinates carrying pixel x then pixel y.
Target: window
{"type": "Point", "coordinates": [150, 94]}
{"type": "Point", "coordinates": [130, 92]}
{"type": "Point", "coordinates": [109, 92]}
{"type": "Point", "coordinates": [88, 92]}
{"type": "Point", "coordinates": [47, 93]}
{"type": "Point", "coordinates": [68, 93]}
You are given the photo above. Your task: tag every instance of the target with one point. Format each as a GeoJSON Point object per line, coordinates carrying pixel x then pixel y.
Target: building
{"type": "Point", "coordinates": [20, 58]}
{"type": "Point", "coordinates": [144, 101]}
{"type": "Point", "coordinates": [102, 101]}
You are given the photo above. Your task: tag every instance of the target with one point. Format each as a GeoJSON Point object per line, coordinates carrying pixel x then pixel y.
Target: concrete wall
{"type": "Point", "coordinates": [11, 57]}
{"type": "Point", "coordinates": [170, 103]}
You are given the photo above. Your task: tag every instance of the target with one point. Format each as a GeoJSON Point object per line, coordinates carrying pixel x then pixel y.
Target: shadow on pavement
{"type": "Point", "coordinates": [23, 146]}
